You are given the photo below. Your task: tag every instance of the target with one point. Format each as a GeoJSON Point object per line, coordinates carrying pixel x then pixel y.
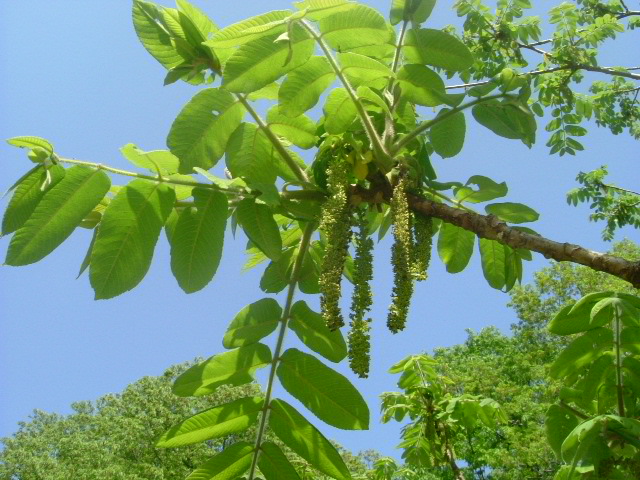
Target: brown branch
{"type": "Point", "coordinates": [490, 227]}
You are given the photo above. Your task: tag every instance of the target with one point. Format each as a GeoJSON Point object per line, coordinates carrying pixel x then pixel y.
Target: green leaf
{"type": "Point", "coordinates": [356, 27]}
{"type": "Point", "coordinates": [435, 47]}
{"type": "Point", "coordinates": [306, 440]}
{"type": "Point", "coordinates": [274, 464]}
{"type": "Point", "coordinates": [301, 130]}
{"type": "Point", "coordinates": [228, 419]}
{"type": "Point", "coordinates": [277, 275]}
{"type": "Point", "coordinates": [558, 424]}
{"type": "Point", "coordinates": [582, 351]}
{"type": "Point", "coordinates": [492, 255]}
{"type": "Point", "coordinates": [303, 87]}
{"type": "Point", "coordinates": [252, 323]}
{"type": "Point", "coordinates": [128, 234]}
{"type": "Point", "coordinates": [257, 222]}
{"type": "Point", "coordinates": [487, 190]}
{"type": "Point", "coordinates": [329, 395]}
{"type": "Point", "coordinates": [196, 25]}
{"type": "Point", "coordinates": [153, 36]}
{"type": "Point", "coordinates": [455, 247]}
{"type": "Point", "coordinates": [229, 464]}
{"type": "Point", "coordinates": [268, 92]}
{"type": "Point", "coordinates": [250, 29]}
{"type": "Point", "coordinates": [264, 60]}
{"type": "Point", "coordinates": [198, 238]}
{"type": "Point", "coordinates": [506, 120]}
{"type": "Point", "coordinates": [235, 367]}
{"type": "Point", "coordinates": [312, 330]}
{"type": "Point", "coordinates": [339, 111]}
{"type": "Point", "coordinates": [251, 155]}
{"type": "Point", "coordinates": [421, 85]}
{"type": "Point", "coordinates": [31, 142]}
{"type": "Point", "coordinates": [447, 136]}
{"type": "Point", "coordinates": [362, 70]}
{"type": "Point", "coordinates": [155, 160]}
{"type": "Point", "coordinates": [202, 129]}
{"type": "Point", "coordinates": [512, 212]}
{"type": "Point", "coordinates": [86, 261]}
{"type": "Point", "coordinates": [57, 214]}
{"type": "Point", "coordinates": [319, 9]}
{"type": "Point", "coordinates": [630, 340]}
{"type": "Point", "coordinates": [28, 192]}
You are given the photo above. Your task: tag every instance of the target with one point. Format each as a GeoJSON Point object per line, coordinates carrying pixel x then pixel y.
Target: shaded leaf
{"type": "Point", "coordinates": [257, 222]}
{"type": "Point", "coordinates": [300, 130]}
{"type": "Point", "coordinates": [455, 247]}
{"type": "Point", "coordinates": [421, 85]}
{"type": "Point", "coordinates": [558, 424]}
{"type": "Point", "coordinates": [362, 70]}
{"type": "Point", "coordinates": [437, 48]}
{"type": "Point", "coordinates": [274, 464]}
{"type": "Point", "coordinates": [492, 256]}
{"type": "Point", "coordinates": [581, 351]}
{"type": "Point", "coordinates": [229, 464]}
{"type": "Point", "coordinates": [252, 323]}
{"type": "Point", "coordinates": [447, 136]}
{"type": "Point", "coordinates": [339, 111]}
{"type": "Point", "coordinates": [319, 9]}
{"type": "Point", "coordinates": [312, 330]}
{"type": "Point", "coordinates": [512, 212]}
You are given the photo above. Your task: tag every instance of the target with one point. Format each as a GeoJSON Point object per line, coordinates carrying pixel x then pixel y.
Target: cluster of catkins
{"type": "Point", "coordinates": [410, 258]}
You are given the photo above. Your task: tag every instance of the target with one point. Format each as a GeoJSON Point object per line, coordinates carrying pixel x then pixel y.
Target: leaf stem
{"type": "Point", "coordinates": [155, 178]}
{"type": "Point", "coordinates": [381, 157]}
{"type": "Point", "coordinates": [295, 275]}
{"type": "Point", "coordinates": [286, 156]}
{"type": "Point", "coordinates": [424, 126]}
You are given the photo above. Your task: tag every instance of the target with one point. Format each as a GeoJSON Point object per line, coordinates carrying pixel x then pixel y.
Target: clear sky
{"type": "Point", "coordinates": [74, 72]}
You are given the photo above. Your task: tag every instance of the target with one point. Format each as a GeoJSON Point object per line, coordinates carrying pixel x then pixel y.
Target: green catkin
{"type": "Point", "coordinates": [335, 225]}
{"type": "Point", "coordinates": [359, 337]}
{"type": "Point", "coordinates": [423, 235]}
{"type": "Point", "coordinates": [401, 258]}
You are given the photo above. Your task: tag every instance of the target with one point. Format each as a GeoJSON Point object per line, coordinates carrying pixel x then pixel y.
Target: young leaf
{"type": "Point", "coordinates": [257, 222]}
{"type": "Point", "coordinates": [356, 27]}
{"type": "Point", "coordinates": [155, 160]}
{"type": "Point", "coordinates": [492, 255]}
{"type": "Point", "coordinates": [435, 47]}
{"type": "Point", "coordinates": [228, 419]}
{"type": "Point", "coordinates": [329, 395]}
{"type": "Point", "coordinates": [229, 464]}
{"type": "Point", "coordinates": [312, 330]}
{"type": "Point", "coordinates": [197, 240]}
{"type": "Point", "coordinates": [235, 367]}
{"type": "Point", "coordinates": [253, 322]}
{"type": "Point", "coordinates": [306, 440]}
{"type": "Point", "coordinates": [487, 190]}
{"type": "Point", "coordinates": [362, 70]}
{"type": "Point", "coordinates": [128, 234]}
{"type": "Point", "coordinates": [421, 85]}
{"type": "Point", "coordinates": [250, 155]}
{"type": "Point", "coordinates": [512, 212]}
{"type": "Point", "coordinates": [274, 464]}
{"type": "Point", "coordinates": [202, 129]}
{"type": "Point", "coordinates": [31, 142]}
{"type": "Point", "coordinates": [339, 111]}
{"type": "Point", "coordinates": [300, 130]}
{"type": "Point", "coordinates": [57, 214]}
{"type": "Point", "coordinates": [153, 36]}
{"type": "Point", "coordinates": [264, 60]}
{"type": "Point", "coordinates": [28, 193]}
{"type": "Point", "coordinates": [302, 88]}
{"type": "Point", "coordinates": [455, 247]}
{"type": "Point", "coordinates": [252, 28]}
{"type": "Point", "coordinates": [447, 136]}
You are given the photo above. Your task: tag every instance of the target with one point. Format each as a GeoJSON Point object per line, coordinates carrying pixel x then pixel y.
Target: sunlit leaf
{"type": "Point", "coordinates": [302, 88]}
{"type": "Point", "coordinates": [455, 247]}
{"type": "Point", "coordinates": [153, 36]}
{"type": "Point", "coordinates": [235, 367]}
{"type": "Point", "coordinates": [421, 85]}
{"type": "Point", "coordinates": [300, 130]}
{"type": "Point", "coordinates": [202, 129]}
{"type": "Point", "coordinates": [246, 30]}
{"type": "Point", "coordinates": [251, 155]}
{"type": "Point", "coordinates": [274, 464]}
{"type": "Point", "coordinates": [361, 25]}
{"type": "Point", "coordinates": [221, 421]}
{"type": "Point", "coordinates": [312, 330]}
{"type": "Point", "coordinates": [197, 241]}
{"type": "Point", "coordinates": [492, 256]}
{"type": "Point", "coordinates": [155, 160]}
{"type": "Point", "coordinates": [57, 214]}
{"type": "Point", "coordinates": [306, 440]}
{"type": "Point", "coordinates": [252, 323]}
{"type": "Point", "coordinates": [487, 190]}
{"type": "Point", "coordinates": [329, 395]}
{"type": "Point", "coordinates": [512, 212]}
{"type": "Point", "coordinates": [339, 111]}
{"type": "Point", "coordinates": [362, 70]}
{"type": "Point", "coordinates": [581, 352]}
{"type": "Point", "coordinates": [447, 136]}
{"type": "Point", "coordinates": [229, 464]}
{"type": "Point", "coordinates": [257, 221]}
{"type": "Point", "coordinates": [31, 142]}
{"type": "Point", "coordinates": [319, 9]}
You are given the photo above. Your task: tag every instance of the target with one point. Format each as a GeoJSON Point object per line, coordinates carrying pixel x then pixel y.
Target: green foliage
{"type": "Point", "coordinates": [372, 147]}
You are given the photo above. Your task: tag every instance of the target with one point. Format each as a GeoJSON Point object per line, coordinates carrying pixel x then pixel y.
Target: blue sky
{"type": "Point", "coordinates": [74, 73]}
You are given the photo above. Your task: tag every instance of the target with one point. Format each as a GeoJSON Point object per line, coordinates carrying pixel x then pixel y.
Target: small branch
{"type": "Point", "coordinates": [293, 283]}
{"type": "Point", "coordinates": [155, 178]}
{"type": "Point", "coordinates": [620, 189]}
{"type": "Point", "coordinates": [424, 126]}
{"type": "Point", "coordinates": [381, 157]}
{"type": "Point", "coordinates": [490, 227]}
{"type": "Point", "coordinates": [607, 70]}
{"type": "Point", "coordinates": [277, 144]}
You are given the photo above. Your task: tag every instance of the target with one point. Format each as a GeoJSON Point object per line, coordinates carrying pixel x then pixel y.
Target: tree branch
{"type": "Point", "coordinates": [490, 227]}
